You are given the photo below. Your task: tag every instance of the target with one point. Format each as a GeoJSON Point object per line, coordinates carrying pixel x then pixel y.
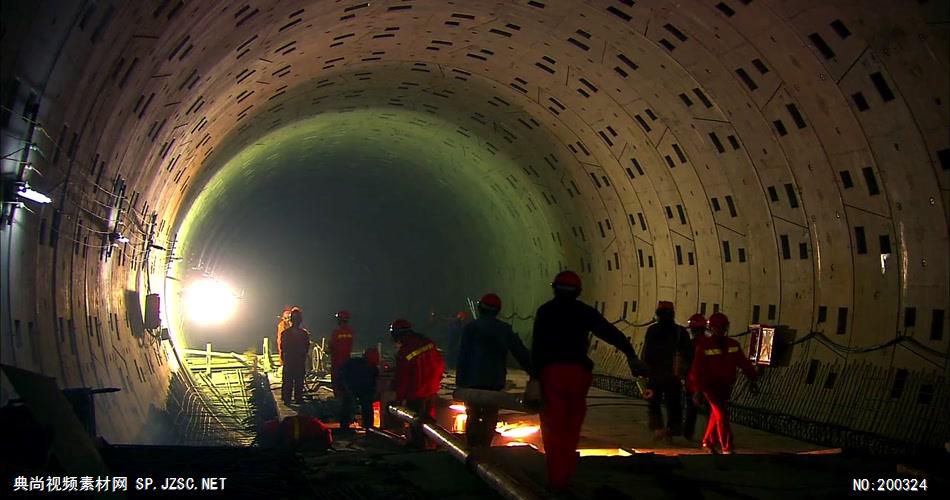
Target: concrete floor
{"type": "Point", "coordinates": [618, 421]}
{"type": "Point", "coordinates": [766, 465]}
{"type": "Point", "coordinates": [613, 421]}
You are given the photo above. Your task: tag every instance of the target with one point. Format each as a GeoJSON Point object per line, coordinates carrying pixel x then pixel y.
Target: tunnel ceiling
{"type": "Point", "coordinates": [785, 162]}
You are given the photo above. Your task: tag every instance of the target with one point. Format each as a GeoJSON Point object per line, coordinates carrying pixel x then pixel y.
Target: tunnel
{"type": "Point", "coordinates": [782, 162]}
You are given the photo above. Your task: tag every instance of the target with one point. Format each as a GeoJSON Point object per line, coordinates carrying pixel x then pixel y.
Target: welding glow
{"type": "Point", "coordinates": [603, 452]}
{"type": "Point", "coordinates": [458, 423]}
{"type": "Point", "coordinates": [520, 443]}
{"type": "Point", "coordinates": [209, 301]}
{"type": "Point", "coordinates": [457, 407]}
{"type": "Point", "coordinates": [516, 430]}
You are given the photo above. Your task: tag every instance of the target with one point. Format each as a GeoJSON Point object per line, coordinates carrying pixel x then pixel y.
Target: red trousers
{"type": "Point", "coordinates": [718, 431]}
{"type": "Point", "coordinates": [564, 389]}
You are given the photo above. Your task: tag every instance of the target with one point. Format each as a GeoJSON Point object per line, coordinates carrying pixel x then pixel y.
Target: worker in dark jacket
{"type": "Point", "coordinates": [483, 357]}
{"type": "Point", "coordinates": [665, 349]}
{"type": "Point", "coordinates": [294, 346]}
{"type": "Point", "coordinates": [418, 377]}
{"type": "Point", "coordinates": [559, 358]}
{"type": "Point", "coordinates": [359, 376]}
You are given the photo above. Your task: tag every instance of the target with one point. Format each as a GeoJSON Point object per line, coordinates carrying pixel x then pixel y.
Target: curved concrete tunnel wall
{"type": "Point", "coordinates": [719, 154]}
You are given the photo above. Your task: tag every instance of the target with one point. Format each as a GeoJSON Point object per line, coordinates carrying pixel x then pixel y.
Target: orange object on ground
{"type": "Point", "coordinates": [297, 431]}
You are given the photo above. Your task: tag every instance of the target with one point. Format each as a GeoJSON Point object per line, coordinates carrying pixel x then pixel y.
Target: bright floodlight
{"type": "Point", "coordinates": [209, 301]}
{"type": "Point", "coordinates": [26, 192]}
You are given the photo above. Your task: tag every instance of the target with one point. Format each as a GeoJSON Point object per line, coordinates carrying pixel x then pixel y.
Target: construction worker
{"type": "Point", "coordinates": [697, 329]}
{"type": "Point", "coordinates": [359, 376]}
{"type": "Point", "coordinates": [665, 347]}
{"type": "Point", "coordinates": [483, 357]}
{"type": "Point", "coordinates": [559, 359]}
{"type": "Point", "coordinates": [341, 345]}
{"type": "Point", "coordinates": [712, 375]}
{"type": "Point", "coordinates": [454, 338]}
{"type": "Point", "coordinates": [283, 323]}
{"type": "Point", "coordinates": [418, 377]}
{"type": "Point", "coordinates": [294, 346]}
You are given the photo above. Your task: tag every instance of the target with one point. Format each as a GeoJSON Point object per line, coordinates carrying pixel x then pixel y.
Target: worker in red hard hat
{"type": "Point", "coordinates": [559, 360]}
{"type": "Point", "coordinates": [454, 339]}
{"type": "Point", "coordinates": [341, 345]}
{"type": "Point", "coordinates": [696, 325]}
{"type": "Point", "coordinates": [359, 376]}
{"type": "Point", "coordinates": [483, 357]}
{"type": "Point", "coordinates": [713, 374]}
{"type": "Point", "coordinates": [294, 346]}
{"type": "Point", "coordinates": [418, 377]}
{"type": "Point", "coordinates": [665, 347]}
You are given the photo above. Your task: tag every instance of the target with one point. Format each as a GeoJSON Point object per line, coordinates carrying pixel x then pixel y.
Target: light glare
{"type": "Point", "coordinates": [209, 302]}
{"type": "Point", "coordinates": [516, 430]}
{"type": "Point", "coordinates": [30, 194]}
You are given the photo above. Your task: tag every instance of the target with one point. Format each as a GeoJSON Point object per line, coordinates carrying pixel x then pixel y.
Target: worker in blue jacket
{"type": "Point", "coordinates": [482, 364]}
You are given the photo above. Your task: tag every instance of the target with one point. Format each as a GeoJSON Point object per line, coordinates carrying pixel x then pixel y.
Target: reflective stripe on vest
{"type": "Point", "coordinates": [711, 352]}
{"type": "Point", "coordinates": [419, 351]}
{"type": "Point", "coordinates": [344, 335]}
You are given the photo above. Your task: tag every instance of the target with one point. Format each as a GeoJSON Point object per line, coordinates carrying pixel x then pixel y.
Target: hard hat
{"type": "Point", "coordinates": [461, 315]}
{"type": "Point", "coordinates": [400, 326]}
{"type": "Point", "coordinates": [344, 315]}
{"type": "Point", "coordinates": [696, 321]}
{"type": "Point", "coordinates": [567, 280]}
{"type": "Point", "coordinates": [718, 321]}
{"type": "Point", "coordinates": [664, 305]}
{"type": "Point", "coordinates": [491, 302]}
{"type": "Point", "coordinates": [371, 355]}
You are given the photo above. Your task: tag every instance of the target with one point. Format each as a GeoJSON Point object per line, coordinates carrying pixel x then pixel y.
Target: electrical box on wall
{"type": "Point", "coordinates": [761, 344]}
{"type": "Point", "coordinates": [153, 318]}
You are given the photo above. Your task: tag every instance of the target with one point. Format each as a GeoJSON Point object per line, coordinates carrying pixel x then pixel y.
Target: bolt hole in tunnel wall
{"type": "Point", "coordinates": [754, 157]}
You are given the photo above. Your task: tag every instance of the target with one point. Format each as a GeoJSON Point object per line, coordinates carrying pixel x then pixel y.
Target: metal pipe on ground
{"type": "Point", "coordinates": [497, 479]}
{"type": "Point", "coordinates": [498, 399]}
{"type": "Point", "coordinates": [383, 433]}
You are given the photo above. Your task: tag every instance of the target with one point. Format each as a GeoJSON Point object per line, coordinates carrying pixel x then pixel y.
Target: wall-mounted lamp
{"type": "Point", "coordinates": [116, 237]}
{"type": "Point", "coordinates": [25, 191]}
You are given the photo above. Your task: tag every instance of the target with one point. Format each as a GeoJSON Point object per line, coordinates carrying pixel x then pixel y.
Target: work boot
{"type": "Point", "coordinates": [712, 448]}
